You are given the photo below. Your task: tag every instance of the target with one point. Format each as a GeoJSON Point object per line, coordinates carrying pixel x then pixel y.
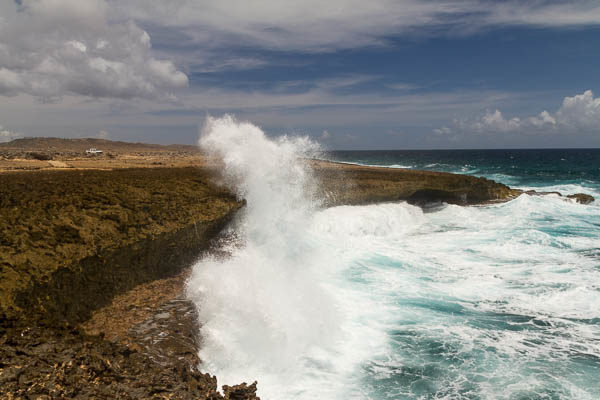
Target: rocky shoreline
{"type": "Point", "coordinates": [93, 264]}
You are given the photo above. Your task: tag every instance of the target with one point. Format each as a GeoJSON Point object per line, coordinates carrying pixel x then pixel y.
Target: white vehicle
{"type": "Point", "coordinates": [93, 150]}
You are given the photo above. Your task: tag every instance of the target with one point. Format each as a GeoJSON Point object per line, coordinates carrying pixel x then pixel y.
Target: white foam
{"type": "Point", "coordinates": [493, 261]}
{"type": "Point", "coordinates": [371, 165]}
{"type": "Point", "coordinates": [565, 189]}
{"type": "Point", "coordinates": [272, 311]}
{"type": "Point", "coordinates": [336, 303]}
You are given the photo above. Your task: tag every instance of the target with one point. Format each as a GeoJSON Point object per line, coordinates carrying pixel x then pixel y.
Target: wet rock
{"type": "Point", "coordinates": [582, 198]}
{"type": "Point", "coordinates": [240, 392]}
{"type": "Point", "coordinates": [170, 336]}
{"type": "Point", "coordinates": [425, 197]}
{"type": "Point", "coordinates": [536, 193]}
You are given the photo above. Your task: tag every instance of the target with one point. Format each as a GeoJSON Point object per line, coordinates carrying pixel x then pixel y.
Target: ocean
{"type": "Point", "coordinates": [389, 302]}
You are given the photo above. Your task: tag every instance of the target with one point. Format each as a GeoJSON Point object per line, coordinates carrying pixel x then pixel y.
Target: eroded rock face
{"type": "Point", "coordinates": [352, 184]}
{"type": "Point", "coordinates": [71, 240]}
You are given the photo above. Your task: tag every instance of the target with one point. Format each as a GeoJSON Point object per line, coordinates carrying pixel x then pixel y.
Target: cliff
{"type": "Point", "coordinates": [72, 240]}
{"type": "Point", "coordinates": [353, 184]}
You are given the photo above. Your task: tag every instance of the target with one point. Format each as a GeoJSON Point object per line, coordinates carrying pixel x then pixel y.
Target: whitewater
{"type": "Point", "coordinates": [389, 302]}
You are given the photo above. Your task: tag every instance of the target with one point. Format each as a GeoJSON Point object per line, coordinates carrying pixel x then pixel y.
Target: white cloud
{"type": "Point", "coordinates": [314, 25]}
{"type": "Point", "coordinates": [544, 119]}
{"type": "Point", "coordinates": [580, 113]}
{"type": "Point", "coordinates": [53, 48]}
{"type": "Point", "coordinates": [96, 48]}
{"type": "Point", "coordinates": [496, 122]}
{"type": "Point", "coordinates": [544, 13]}
{"type": "Point", "coordinates": [444, 130]}
{"type": "Point", "coordinates": [214, 64]}
{"type": "Point", "coordinates": [7, 136]}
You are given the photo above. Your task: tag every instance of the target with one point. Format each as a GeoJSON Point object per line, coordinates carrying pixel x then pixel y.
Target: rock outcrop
{"type": "Point", "coordinates": [61, 362]}
{"type": "Point", "coordinates": [71, 240]}
{"type": "Point", "coordinates": [353, 184]}
{"type": "Point", "coordinates": [581, 198]}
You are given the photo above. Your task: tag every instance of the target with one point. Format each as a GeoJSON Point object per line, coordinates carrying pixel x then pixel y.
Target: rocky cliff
{"type": "Point", "coordinates": [71, 240]}
{"type": "Point", "coordinates": [353, 184]}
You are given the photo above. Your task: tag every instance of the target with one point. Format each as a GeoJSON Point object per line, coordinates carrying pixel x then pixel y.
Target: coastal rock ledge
{"type": "Point", "coordinates": [353, 184]}
{"type": "Point", "coordinates": [71, 240]}
{"type": "Point", "coordinates": [356, 185]}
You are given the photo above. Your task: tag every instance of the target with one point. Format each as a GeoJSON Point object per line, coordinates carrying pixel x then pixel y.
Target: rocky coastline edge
{"type": "Point", "coordinates": [73, 240]}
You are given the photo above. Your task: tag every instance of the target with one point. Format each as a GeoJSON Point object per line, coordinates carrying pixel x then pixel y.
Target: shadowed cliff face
{"type": "Point", "coordinates": [71, 240]}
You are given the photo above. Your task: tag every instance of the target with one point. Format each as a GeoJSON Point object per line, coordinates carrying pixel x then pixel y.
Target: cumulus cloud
{"type": "Point", "coordinates": [580, 113]}
{"type": "Point", "coordinates": [544, 119]}
{"type": "Point", "coordinates": [496, 122]}
{"type": "Point", "coordinates": [314, 25]}
{"type": "Point", "coordinates": [52, 48]}
{"type": "Point", "coordinates": [7, 136]}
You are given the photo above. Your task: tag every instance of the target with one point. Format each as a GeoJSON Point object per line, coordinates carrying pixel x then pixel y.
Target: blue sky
{"type": "Point", "coordinates": [350, 74]}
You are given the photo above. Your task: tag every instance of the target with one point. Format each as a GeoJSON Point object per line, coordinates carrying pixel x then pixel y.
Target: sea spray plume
{"type": "Point", "coordinates": [269, 174]}
{"type": "Point", "coordinates": [263, 311]}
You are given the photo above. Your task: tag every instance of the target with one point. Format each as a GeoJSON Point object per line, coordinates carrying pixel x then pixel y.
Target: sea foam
{"type": "Point", "coordinates": [385, 301]}
{"type": "Point", "coordinates": [266, 312]}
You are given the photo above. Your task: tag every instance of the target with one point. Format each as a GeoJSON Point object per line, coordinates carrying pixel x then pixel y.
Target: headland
{"type": "Point", "coordinates": [95, 248]}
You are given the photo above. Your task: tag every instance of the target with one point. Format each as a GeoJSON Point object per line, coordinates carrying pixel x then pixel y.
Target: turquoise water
{"type": "Point", "coordinates": [494, 302]}
{"type": "Point", "coordinates": [389, 302]}
{"type": "Point", "coordinates": [527, 167]}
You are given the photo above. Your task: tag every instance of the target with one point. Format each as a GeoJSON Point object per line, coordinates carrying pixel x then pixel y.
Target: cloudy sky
{"type": "Point", "coordinates": [353, 74]}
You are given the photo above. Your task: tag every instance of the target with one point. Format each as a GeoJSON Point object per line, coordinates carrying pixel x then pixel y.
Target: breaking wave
{"type": "Point", "coordinates": [385, 301]}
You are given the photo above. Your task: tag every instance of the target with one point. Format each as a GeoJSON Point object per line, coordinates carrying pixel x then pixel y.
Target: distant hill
{"type": "Point", "coordinates": [50, 144]}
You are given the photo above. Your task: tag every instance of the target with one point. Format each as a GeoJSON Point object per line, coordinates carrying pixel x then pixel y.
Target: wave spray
{"type": "Point", "coordinates": [265, 312]}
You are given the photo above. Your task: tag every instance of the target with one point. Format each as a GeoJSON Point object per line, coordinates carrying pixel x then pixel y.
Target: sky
{"type": "Point", "coordinates": [352, 74]}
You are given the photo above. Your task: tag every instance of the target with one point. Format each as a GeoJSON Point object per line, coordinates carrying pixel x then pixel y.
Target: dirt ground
{"type": "Point", "coordinates": [34, 154]}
